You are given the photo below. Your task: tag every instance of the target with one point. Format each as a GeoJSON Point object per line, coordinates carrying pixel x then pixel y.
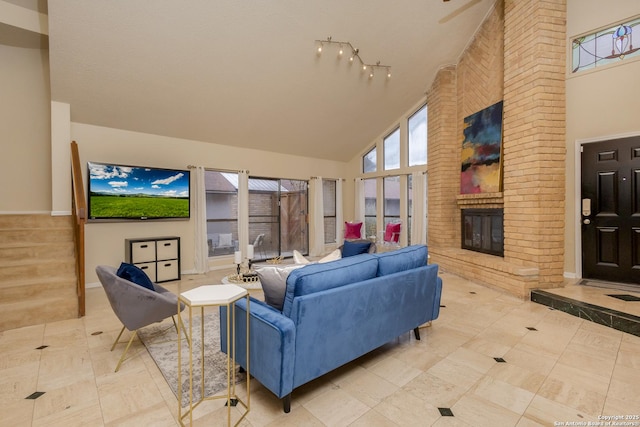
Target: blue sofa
{"type": "Point", "coordinates": [334, 313]}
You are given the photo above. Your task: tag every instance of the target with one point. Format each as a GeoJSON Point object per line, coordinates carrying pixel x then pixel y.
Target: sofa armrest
{"type": "Point", "coordinates": [438, 296]}
{"type": "Point", "coordinates": [271, 346]}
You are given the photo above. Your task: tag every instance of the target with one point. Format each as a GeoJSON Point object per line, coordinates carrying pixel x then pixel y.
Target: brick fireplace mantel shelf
{"type": "Point", "coordinates": [481, 199]}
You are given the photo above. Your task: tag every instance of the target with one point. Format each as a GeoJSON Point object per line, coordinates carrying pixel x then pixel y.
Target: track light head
{"type": "Point", "coordinates": [355, 53]}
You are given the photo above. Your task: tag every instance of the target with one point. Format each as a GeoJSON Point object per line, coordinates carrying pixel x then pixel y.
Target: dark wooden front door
{"type": "Point", "coordinates": [610, 210]}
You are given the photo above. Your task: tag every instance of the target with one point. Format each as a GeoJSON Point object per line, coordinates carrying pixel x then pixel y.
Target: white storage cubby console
{"type": "Point", "coordinates": [159, 257]}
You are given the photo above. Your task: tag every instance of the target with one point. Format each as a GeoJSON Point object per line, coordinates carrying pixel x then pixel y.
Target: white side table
{"type": "Point", "coordinates": [212, 296]}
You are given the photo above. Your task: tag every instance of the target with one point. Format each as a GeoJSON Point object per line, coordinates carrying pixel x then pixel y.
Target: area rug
{"type": "Point", "coordinates": [162, 343]}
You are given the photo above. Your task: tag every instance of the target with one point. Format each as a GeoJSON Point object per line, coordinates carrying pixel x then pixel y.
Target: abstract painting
{"type": "Point", "coordinates": [481, 155]}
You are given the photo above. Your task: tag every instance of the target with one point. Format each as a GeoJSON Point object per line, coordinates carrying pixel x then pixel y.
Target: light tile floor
{"type": "Point", "coordinates": [568, 370]}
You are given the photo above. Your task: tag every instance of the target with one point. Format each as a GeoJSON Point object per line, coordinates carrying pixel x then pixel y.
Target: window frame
{"type": "Point", "coordinates": [393, 133]}
{"type": "Point", "coordinates": [409, 133]}
{"type": "Point", "coordinates": [375, 160]}
{"type": "Point", "coordinates": [335, 210]}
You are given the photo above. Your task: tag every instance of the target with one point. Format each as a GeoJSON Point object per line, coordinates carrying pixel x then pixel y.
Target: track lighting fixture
{"type": "Point", "coordinates": [355, 54]}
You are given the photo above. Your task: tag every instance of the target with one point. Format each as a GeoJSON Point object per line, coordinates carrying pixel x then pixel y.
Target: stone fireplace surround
{"type": "Point", "coordinates": [518, 56]}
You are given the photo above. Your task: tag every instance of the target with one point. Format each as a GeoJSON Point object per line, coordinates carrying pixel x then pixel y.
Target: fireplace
{"type": "Point", "coordinates": [483, 231]}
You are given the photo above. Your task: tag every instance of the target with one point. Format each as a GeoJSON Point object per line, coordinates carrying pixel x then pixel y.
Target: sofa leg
{"type": "Point", "coordinates": [286, 403]}
{"type": "Point", "coordinates": [241, 370]}
{"type": "Point", "coordinates": [416, 332]}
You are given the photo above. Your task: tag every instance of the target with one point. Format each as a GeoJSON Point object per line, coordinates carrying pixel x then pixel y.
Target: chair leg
{"type": "Point", "coordinates": [117, 339]}
{"type": "Point", "coordinates": [135, 334]}
{"type": "Point", "coordinates": [184, 330]}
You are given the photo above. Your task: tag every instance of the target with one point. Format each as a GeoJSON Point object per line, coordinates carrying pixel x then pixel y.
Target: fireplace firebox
{"type": "Point", "coordinates": [483, 231]}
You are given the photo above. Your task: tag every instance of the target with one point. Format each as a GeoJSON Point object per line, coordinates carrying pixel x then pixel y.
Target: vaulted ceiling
{"type": "Point", "coordinates": [247, 73]}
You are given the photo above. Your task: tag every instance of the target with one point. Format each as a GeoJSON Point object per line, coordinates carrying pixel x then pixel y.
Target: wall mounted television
{"type": "Point", "coordinates": [120, 192]}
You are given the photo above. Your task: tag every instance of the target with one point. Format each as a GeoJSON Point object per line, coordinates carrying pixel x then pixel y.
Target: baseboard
{"type": "Point", "coordinates": [61, 213]}
{"type": "Point", "coordinates": [26, 213]}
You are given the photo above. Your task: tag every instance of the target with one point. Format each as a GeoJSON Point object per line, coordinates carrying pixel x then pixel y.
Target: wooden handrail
{"type": "Point", "coordinates": [79, 201]}
{"type": "Point", "coordinates": [79, 210]}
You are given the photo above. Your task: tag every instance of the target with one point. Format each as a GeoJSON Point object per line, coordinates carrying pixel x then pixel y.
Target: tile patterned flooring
{"type": "Point", "coordinates": [557, 369]}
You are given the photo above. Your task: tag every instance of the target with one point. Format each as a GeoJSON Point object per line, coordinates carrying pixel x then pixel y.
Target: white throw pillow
{"type": "Point", "coordinates": [298, 258]}
{"type": "Point", "coordinates": [274, 283]}
{"type": "Point", "coordinates": [225, 240]}
{"type": "Point", "coordinates": [333, 256]}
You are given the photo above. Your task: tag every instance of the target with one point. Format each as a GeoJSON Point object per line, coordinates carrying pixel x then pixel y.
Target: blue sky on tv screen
{"type": "Point", "coordinates": [129, 180]}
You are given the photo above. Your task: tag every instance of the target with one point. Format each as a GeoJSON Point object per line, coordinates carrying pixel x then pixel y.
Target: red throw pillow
{"type": "Point", "coordinates": [392, 232]}
{"type": "Point", "coordinates": [352, 230]}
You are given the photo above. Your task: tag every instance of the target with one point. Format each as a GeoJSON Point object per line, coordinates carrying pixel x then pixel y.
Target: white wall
{"type": "Point", "coordinates": [25, 167]}
{"type": "Point", "coordinates": [602, 103]}
{"type": "Point", "coordinates": [105, 241]}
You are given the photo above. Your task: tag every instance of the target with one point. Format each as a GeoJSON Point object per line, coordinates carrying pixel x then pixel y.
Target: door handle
{"type": "Point", "coordinates": [586, 207]}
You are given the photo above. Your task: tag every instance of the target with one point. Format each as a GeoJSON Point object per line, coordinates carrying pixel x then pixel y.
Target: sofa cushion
{"type": "Point", "coordinates": [134, 274]}
{"type": "Point", "coordinates": [318, 277]}
{"type": "Point", "coordinates": [355, 248]}
{"type": "Point", "coordinates": [274, 282]}
{"type": "Point", "coordinates": [402, 259]}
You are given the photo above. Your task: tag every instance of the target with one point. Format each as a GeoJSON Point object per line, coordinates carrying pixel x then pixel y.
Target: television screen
{"type": "Point", "coordinates": [137, 192]}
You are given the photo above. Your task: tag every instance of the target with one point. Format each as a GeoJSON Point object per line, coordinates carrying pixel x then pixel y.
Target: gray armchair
{"type": "Point", "coordinates": [134, 305]}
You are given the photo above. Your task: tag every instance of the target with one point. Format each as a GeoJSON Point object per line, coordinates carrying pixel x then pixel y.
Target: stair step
{"type": "Point", "coordinates": [19, 253]}
{"type": "Point", "coordinates": [33, 289]}
{"type": "Point", "coordinates": [11, 222]}
{"type": "Point", "coordinates": [34, 235]}
{"type": "Point", "coordinates": [36, 269]}
{"type": "Point", "coordinates": [33, 311]}
{"type": "Point", "coordinates": [611, 318]}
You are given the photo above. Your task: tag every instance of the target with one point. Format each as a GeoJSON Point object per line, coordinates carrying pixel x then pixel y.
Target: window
{"type": "Point", "coordinates": [391, 190]}
{"type": "Point", "coordinates": [370, 207]}
{"type": "Point", "coordinates": [369, 161]}
{"type": "Point", "coordinates": [604, 47]}
{"type": "Point", "coordinates": [222, 212]}
{"type": "Point", "coordinates": [329, 203]}
{"type": "Point", "coordinates": [277, 217]}
{"type": "Point", "coordinates": [392, 150]}
{"type": "Point", "coordinates": [417, 125]}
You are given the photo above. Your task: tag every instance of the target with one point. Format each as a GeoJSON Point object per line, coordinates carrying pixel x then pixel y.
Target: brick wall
{"type": "Point", "coordinates": [444, 163]}
{"type": "Point", "coordinates": [518, 56]}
